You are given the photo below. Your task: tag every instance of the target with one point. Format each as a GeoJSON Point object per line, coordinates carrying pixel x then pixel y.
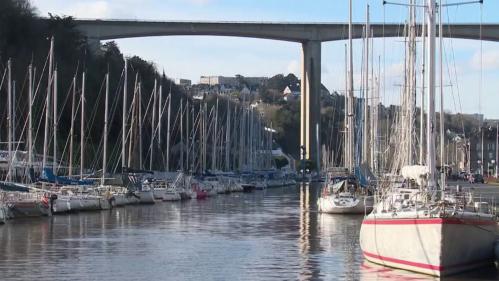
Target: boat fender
{"type": "Point", "coordinates": [45, 201]}
{"type": "Point", "coordinates": [52, 199]}
{"type": "Point", "coordinates": [111, 201]}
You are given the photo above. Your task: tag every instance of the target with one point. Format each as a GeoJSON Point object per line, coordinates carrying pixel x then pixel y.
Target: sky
{"type": "Point", "coordinates": [469, 87]}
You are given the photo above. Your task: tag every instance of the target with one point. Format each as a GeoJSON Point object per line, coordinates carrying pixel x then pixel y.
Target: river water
{"type": "Point", "coordinates": [274, 234]}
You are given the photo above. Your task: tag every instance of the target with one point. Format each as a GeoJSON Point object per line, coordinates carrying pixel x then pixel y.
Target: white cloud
{"type": "Point", "coordinates": [79, 9]}
{"type": "Point", "coordinates": [90, 9]}
{"type": "Point", "coordinates": [490, 60]}
{"type": "Point", "coordinates": [199, 2]}
{"type": "Point", "coordinates": [118, 9]}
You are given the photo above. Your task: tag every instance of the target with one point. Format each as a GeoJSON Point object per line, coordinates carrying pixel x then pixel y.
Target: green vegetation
{"type": "Point", "coordinates": [25, 39]}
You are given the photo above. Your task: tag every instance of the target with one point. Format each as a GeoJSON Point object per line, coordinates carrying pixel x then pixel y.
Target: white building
{"type": "Point", "coordinates": [231, 81]}
{"type": "Point", "coordinates": [218, 80]}
{"type": "Point", "coordinates": [183, 82]}
{"type": "Point", "coordinates": [291, 92]}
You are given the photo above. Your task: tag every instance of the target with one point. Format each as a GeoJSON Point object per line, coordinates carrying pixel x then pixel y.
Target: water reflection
{"type": "Point", "coordinates": [276, 234]}
{"type": "Point", "coordinates": [309, 242]}
{"type": "Point", "coordinates": [374, 272]}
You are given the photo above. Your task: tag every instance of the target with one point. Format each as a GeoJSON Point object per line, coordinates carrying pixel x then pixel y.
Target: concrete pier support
{"type": "Point", "coordinates": [310, 101]}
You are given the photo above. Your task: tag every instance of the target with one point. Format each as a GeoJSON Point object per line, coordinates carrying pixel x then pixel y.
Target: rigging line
{"type": "Point", "coordinates": [114, 107]}
{"type": "Point", "coordinates": [449, 74]}
{"type": "Point", "coordinates": [19, 104]}
{"type": "Point", "coordinates": [4, 113]}
{"type": "Point", "coordinates": [455, 76]}
{"type": "Point", "coordinates": [35, 94]}
{"type": "Point", "coordinates": [24, 126]}
{"type": "Point", "coordinates": [68, 138]}
{"type": "Point", "coordinates": [90, 123]}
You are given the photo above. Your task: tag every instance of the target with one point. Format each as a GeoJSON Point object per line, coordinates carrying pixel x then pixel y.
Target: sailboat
{"type": "Point", "coordinates": [344, 195]}
{"type": "Point", "coordinates": [19, 200]}
{"type": "Point", "coordinates": [343, 192]}
{"type": "Point", "coordinates": [420, 226]}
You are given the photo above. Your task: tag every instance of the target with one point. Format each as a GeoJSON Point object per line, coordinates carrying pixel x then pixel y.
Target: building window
{"type": "Point", "coordinates": [491, 156]}
{"type": "Point", "coordinates": [478, 146]}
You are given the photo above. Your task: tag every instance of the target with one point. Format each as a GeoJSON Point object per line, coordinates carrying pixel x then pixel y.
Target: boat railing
{"type": "Point", "coordinates": [468, 200]}
{"type": "Point", "coordinates": [18, 196]}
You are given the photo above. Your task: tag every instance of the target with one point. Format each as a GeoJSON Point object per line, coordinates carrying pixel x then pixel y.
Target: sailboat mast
{"type": "Point", "coordinates": [153, 123]}
{"type": "Point", "coordinates": [160, 112]}
{"type": "Point", "coordinates": [54, 124]}
{"type": "Point", "coordinates": [345, 122]}
{"type": "Point", "coordinates": [442, 113]}
{"type": "Point", "coordinates": [139, 105]}
{"type": "Point", "coordinates": [133, 107]}
{"type": "Point", "coordinates": [375, 104]}
{"type": "Point", "coordinates": [124, 117]}
{"type": "Point", "coordinates": [350, 94]}
{"type": "Point", "coordinates": [372, 102]}
{"type": "Point", "coordinates": [430, 129]}
{"type": "Point", "coordinates": [204, 136]}
{"type": "Point", "coordinates": [194, 128]}
{"type": "Point", "coordinates": [30, 116]}
{"type": "Point", "coordinates": [227, 138]}
{"type": "Point", "coordinates": [71, 130]}
{"type": "Point", "coordinates": [250, 149]}
{"type": "Point", "coordinates": [215, 132]}
{"type": "Point", "coordinates": [9, 118]}
{"type": "Point", "coordinates": [412, 80]}
{"type": "Point", "coordinates": [188, 133]}
{"type": "Point", "coordinates": [47, 105]}
{"type": "Point", "coordinates": [168, 131]}
{"type": "Point", "coordinates": [82, 126]}
{"type": "Point", "coordinates": [365, 137]}
{"type": "Point", "coordinates": [241, 139]}
{"type": "Point", "coordinates": [181, 134]}
{"type": "Point", "coordinates": [104, 156]}
{"type": "Point", "coordinates": [423, 65]}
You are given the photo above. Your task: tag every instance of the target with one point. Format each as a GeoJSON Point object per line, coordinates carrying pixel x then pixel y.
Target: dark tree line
{"type": "Point", "coordinates": [25, 39]}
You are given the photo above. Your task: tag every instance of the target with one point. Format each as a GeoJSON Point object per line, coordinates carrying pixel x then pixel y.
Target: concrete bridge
{"type": "Point", "coordinates": [309, 35]}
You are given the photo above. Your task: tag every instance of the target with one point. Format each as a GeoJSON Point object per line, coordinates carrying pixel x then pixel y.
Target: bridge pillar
{"type": "Point", "coordinates": [310, 101]}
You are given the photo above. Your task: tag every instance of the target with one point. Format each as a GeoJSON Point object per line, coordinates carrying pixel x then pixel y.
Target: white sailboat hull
{"type": "Point", "coordinates": [62, 204]}
{"type": "Point", "coordinates": [145, 197]}
{"type": "Point", "coordinates": [120, 199]}
{"type": "Point", "coordinates": [3, 213]}
{"type": "Point", "coordinates": [104, 203]}
{"type": "Point", "coordinates": [159, 193]}
{"type": "Point", "coordinates": [361, 205]}
{"type": "Point", "coordinates": [89, 203]}
{"type": "Point", "coordinates": [435, 246]}
{"type": "Point", "coordinates": [171, 196]}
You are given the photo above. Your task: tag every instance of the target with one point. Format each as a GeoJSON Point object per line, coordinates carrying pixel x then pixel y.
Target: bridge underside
{"type": "Point", "coordinates": [310, 35]}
